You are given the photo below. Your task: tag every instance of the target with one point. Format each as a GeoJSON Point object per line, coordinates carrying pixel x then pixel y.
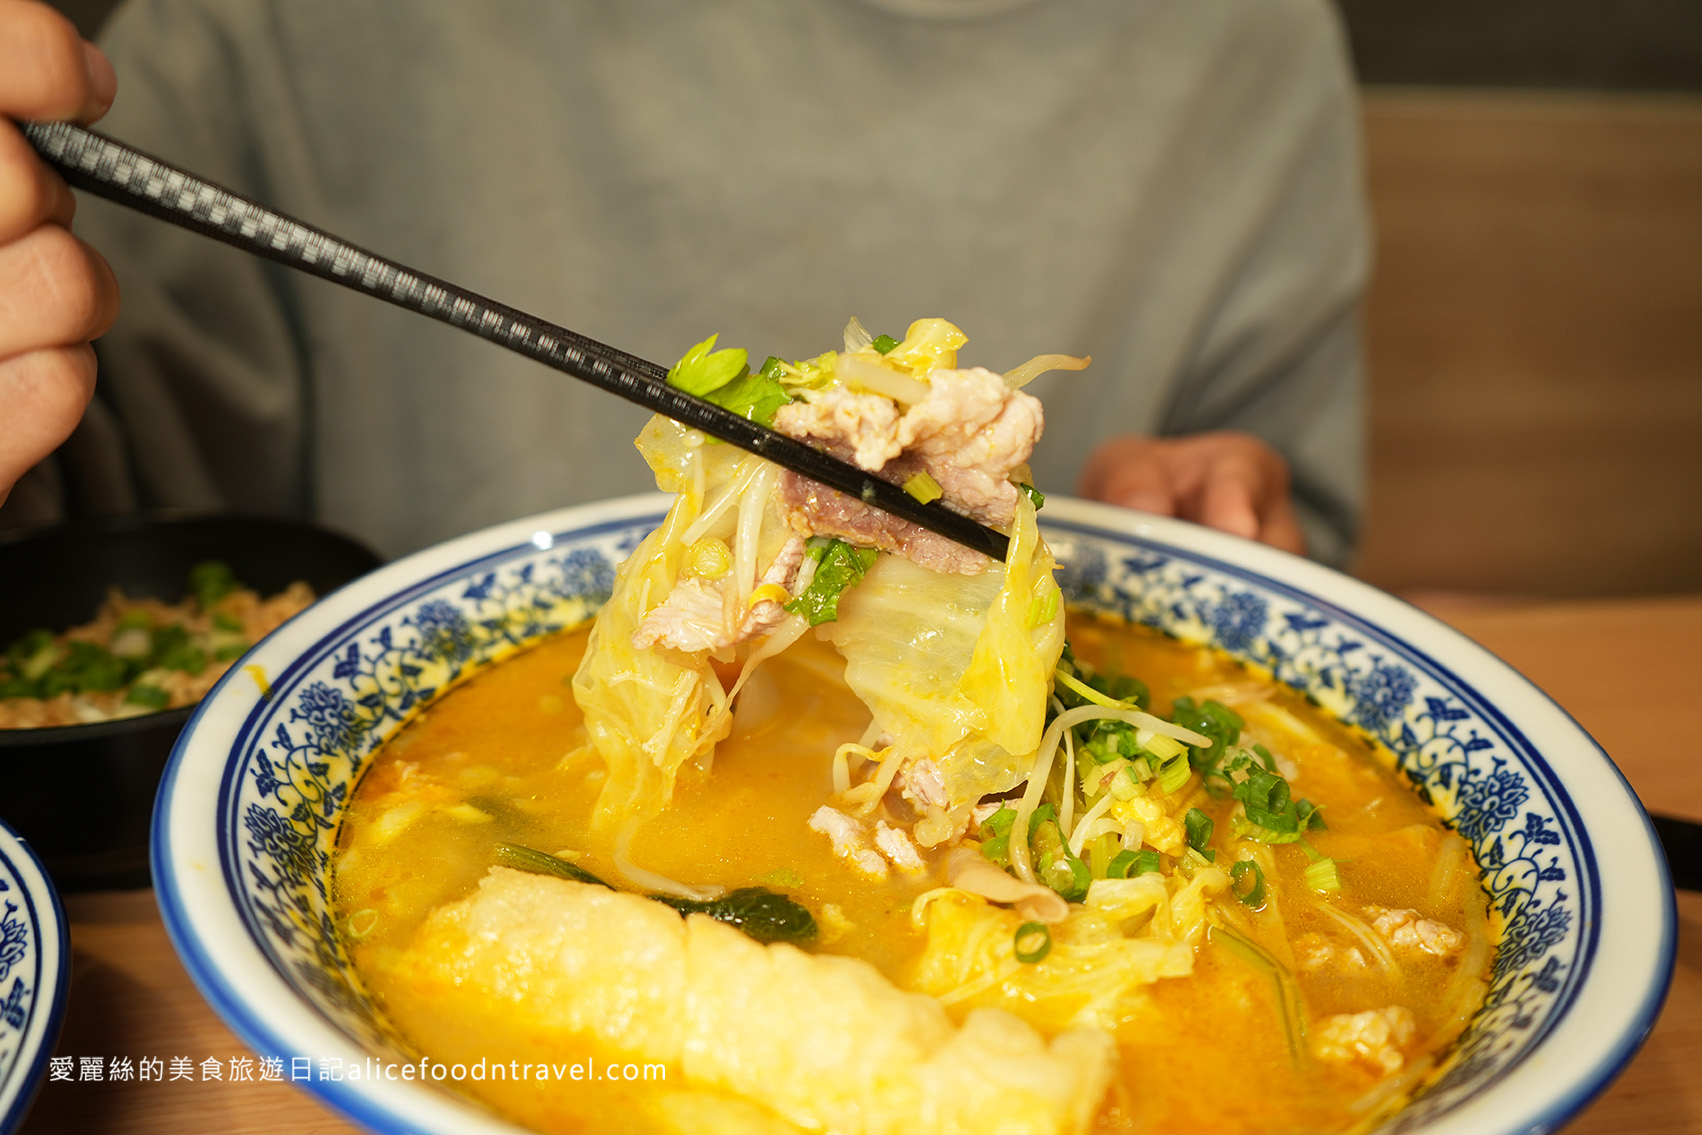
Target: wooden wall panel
{"type": "Point", "coordinates": [1534, 337]}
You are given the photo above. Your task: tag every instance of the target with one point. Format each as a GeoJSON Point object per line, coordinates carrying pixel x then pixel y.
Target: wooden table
{"type": "Point", "coordinates": [1623, 668]}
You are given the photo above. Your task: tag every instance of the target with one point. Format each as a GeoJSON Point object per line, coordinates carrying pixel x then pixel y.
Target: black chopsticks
{"type": "Point", "coordinates": [110, 169]}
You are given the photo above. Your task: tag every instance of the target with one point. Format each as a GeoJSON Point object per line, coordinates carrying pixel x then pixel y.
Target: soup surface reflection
{"type": "Point", "coordinates": [1344, 1002]}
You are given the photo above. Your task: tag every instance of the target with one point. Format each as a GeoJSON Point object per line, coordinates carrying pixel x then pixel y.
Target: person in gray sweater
{"type": "Point", "coordinates": [1170, 186]}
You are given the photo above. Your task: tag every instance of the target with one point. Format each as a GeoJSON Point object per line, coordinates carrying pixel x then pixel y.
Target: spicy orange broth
{"type": "Point", "coordinates": [1207, 1052]}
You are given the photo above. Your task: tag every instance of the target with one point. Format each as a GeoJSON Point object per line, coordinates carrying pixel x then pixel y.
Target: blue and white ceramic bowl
{"type": "Point", "coordinates": [250, 804]}
{"type": "Point", "coordinates": [35, 959]}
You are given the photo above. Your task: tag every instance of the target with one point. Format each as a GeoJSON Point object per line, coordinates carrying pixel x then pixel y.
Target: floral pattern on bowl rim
{"type": "Point", "coordinates": [305, 711]}
{"type": "Point", "coordinates": [35, 960]}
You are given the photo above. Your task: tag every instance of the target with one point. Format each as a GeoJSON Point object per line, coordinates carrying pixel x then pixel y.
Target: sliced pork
{"type": "Point", "coordinates": [695, 614]}
{"type": "Point", "coordinates": [968, 433]}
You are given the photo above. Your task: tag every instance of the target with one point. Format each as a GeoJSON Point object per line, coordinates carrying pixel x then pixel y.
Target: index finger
{"type": "Point", "coordinates": [1246, 493]}
{"type": "Point", "coordinates": [1131, 472]}
{"type": "Point", "coordinates": [47, 70]}
{"type": "Point", "coordinates": [1233, 494]}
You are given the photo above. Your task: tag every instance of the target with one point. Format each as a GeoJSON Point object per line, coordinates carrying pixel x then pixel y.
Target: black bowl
{"type": "Point", "coordinates": [82, 795]}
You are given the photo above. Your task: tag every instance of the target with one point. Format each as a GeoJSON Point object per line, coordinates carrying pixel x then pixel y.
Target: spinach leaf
{"type": "Point", "coordinates": [541, 863]}
{"type": "Point", "coordinates": [762, 914]}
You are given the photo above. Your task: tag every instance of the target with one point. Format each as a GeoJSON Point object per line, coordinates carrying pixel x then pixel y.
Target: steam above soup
{"type": "Point", "coordinates": [825, 821]}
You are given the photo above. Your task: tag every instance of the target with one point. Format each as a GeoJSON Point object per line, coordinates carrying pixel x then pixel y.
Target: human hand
{"type": "Point", "coordinates": [56, 293]}
{"type": "Point", "coordinates": [1225, 479]}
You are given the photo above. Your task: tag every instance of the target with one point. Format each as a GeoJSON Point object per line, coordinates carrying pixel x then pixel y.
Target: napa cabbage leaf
{"type": "Point", "coordinates": [1100, 961]}
{"type": "Point", "coordinates": [955, 667]}
{"type": "Point", "coordinates": [649, 711]}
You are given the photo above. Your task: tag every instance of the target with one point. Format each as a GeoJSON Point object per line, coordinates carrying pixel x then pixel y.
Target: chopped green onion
{"type": "Point", "coordinates": [1323, 877]}
{"type": "Point", "coordinates": [1159, 745]}
{"type": "Point", "coordinates": [1120, 864]}
{"type": "Point", "coordinates": [1124, 786]}
{"type": "Point", "coordinates": [1173, 774]}
{"type": "Point", "coordinates": [883, 343]}
{"type": "Point", "coordinates": [1101, 850]}
{"type": "Point", "coordinates": [1253, 894]}
{"type": "Point", "coordinates": [1242, 828]}
{"type": "Point", "coordinates": [1034, 495]}
{"type": "Point", "coordinates": [234, 648]}
{"type": "Point", "coordinates": [1043, 813]}
{"type": "Point", "coordinates": [1108, 740]}
{"type": "Point", "coordinates": [1199, 826]}
{"type": "Point", "coordinates": [1133, 864]}
{"type": "Point", "coordinates": [181, 657]}
{"type": "Point", "coordinates": [1054, 865]}
{"type": "Point", "coordinates": [1214, 720]}
{"type": "Point", "coordinates": [1094, 775]}
{"type": "Point", "coordinates": [211, 580]}
{"type": "Point", "coordinates": [1271, 813]}
{"type": "Point", "coordinates": [1032, 942]}
{"type": "Point", "coordinates": [1064, 873]}
{"type": "Point", "coordinates": [169, 636]}
{"type": "Point", "coordinates": [55, 682]}
{"type": "Point", "coordinates": [923, 487]}
{"type": "Point", "coordinates": [1266, 793]}
{"type": "Point", "coordinates": [150, 697]}
{"type": "Point", "coordinates": [132, 642]}
{"type": "Point", "coordinates": [87, 666]}
{"type": "Point", "coordinates": [138, 619]}
{"type": "Point", "coordinates": [226, 621]}
{"type": "Point", "coordinates": [107, 672]}
{"type": "Point", "coordinates": [34, 654]}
